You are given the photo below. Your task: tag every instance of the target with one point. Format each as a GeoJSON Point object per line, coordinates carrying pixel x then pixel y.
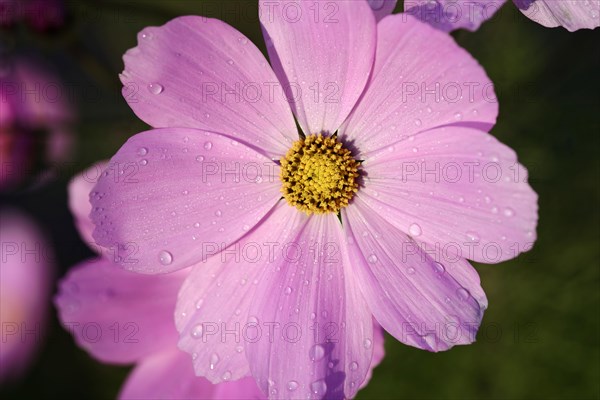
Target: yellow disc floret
{"type": "Point", "coordinates": [319, 175]}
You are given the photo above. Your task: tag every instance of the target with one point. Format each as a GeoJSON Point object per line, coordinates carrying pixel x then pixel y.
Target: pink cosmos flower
{"type": "Point", "coordinates": [26, 272]}
{"type": "Point", "coordinates": [448, 15]}
{"type": "Point", "coordinates": [296, 242]}
{"type": "Point", "coordinates": [35, 118]}
{"type": "Point", "coordinates": [122, 317]}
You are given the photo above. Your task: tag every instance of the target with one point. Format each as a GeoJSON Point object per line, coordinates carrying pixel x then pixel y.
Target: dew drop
{"type": "Point", "coordinates": [200, 158]}
{"type": "Point", "coordinates": [317, 352]}
{"type": "Point", "coordinates": [144, 162]}
{"type": "Point", "coordinates": [372, 258]}
{"type": "Point", "coordinates": [418, 122]}
{"type": "Point", "coordinates": [155, 88]}
{"type": "Point", "coordinates": [410, 270]}
{"type": "Point", "coordinates": [319, 388]}
{"type": "Point", "coordinates": [226, 376]}
{"type": "Point", "coordinates": [199, 303]}
{"type": "Point", "coordinates": [288, 290]}
{"type": "Point", "coordinates": [473, 236]}
{"type": "Point", "coordinates": [208, 145]}
{"type": "Point", "coordinates": [165, 257]}
{"type": "Point", "coordinates": [458, 116]}
{"type": "Point", "coordinates": [509, 212]}
{"type": "Point", "coordinates": [292, 385]}
{"type": "Point", "coordinates": [367, 343]}
{"type": "Point", "coordinates": [218, 213]}
{"type": "Point", "coordinates": [197, 331]}
{"type": "Point", "coordinates": [142, 151]}
{"type": "Point", "coordinates": [414, 230]}
{"type": "Point", "coordinates": [214, 360]}
{"type": "Point", "coordinates": [439, 268]}
{"type": "Point", "coordinates": [353, 366]}
{"type": "Point", "coordinates": [463, 294]}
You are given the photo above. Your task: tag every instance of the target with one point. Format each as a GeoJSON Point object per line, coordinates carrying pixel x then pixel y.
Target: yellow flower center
{"type": "Point", "coordinates": [319, 175]}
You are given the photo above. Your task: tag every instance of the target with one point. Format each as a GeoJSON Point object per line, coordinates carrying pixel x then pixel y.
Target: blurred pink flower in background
{"type": "Point", "coordinates": [26, 283]}
{"type": "Point", "coordinates": [122, 317]}
{"type": "Point", "coordinates": [35, 122]}
{"type": "Point", "coordinates": [448, 15]}
{"type": "Point", "coordinates": [41, 15]}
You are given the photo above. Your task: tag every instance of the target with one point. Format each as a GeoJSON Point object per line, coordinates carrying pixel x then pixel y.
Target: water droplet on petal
{"type": "Point", "coordinates": [155, 88]}
{"type": "Point", "coordinates": [509, 212]}
{"type": "Point", "coordinates": [144, 162]}
{"type": "Point", "coordinates": [165, 257]}
{"type": "Point", "coordinates": [197, 331]}
{"type": "Point", "coordinates": [439, 268]}
{"type": "Point", "coordinates": [288, 290]}
{"type": "Point", "coordinates": [353, 366]}
{"type": "Point", "coordinates": [317, 352]}
{"type": "Point", "coordinates": [473, 236]}
{"type": "Point", "coordinates": [372, 258]}
{"type": "Point", "coordinates": [226, 376]}
{"type": "Point", "coordinates": [208, 145]}
{"type": "Point", "coordinates": [214, 360]}
{"type": "Point", "coordinates": [292, 385]}
{"type": "Point", "coordinates": [142, 151]}
{"type": "Point", "coordinates": [463, 294]}
{"type": "Point", "coordinates": [367, 343]}
{"type": "Point", "coordinates": [200, 158]}
{"type": "Point", "coordinates": [458, 116]}
{"type": "Point", "coordinates": [319, 388]}
{"type": "Point", "coordinates": [414, 230]}
{"type": "Point", "coordinates": [410, 270]}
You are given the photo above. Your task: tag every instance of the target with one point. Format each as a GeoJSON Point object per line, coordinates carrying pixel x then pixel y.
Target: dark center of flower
{"type": "Point", "coordinates": [319, 175]}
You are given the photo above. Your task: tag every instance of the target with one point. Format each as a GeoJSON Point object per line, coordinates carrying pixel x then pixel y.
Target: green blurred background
{"type": "Point", "coordinates": [540, 335]}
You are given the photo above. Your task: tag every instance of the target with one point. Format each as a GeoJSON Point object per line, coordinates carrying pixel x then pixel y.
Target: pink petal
{"type": "Point", "coordinates": [378, 351]}
{"type": "Point", "coordinates": [244, 389]}
{"type": "Point", "coordinates": [382, 8]}
{"type": "Point", "coordinates": [570, 14]}
{"type": "Point", "coordinates": [201, 73]}
{"type": "Point", "coordinates": [116, 315]}
{"type": "Point", "coordinates": [455, 188]}
{"type": "Point", "coordinates": [411, 292]}
{"type": "Point", "coordinates": [169, 375]}
{"type": "Point", "coordinates": [448, 15]}
{"type": "Point", "coordinates": [173, 197]}
{"type": "Point", "coordinates": [421, 79]}
{"type": "Point", "coordinates": [26, 275]}
{"type": "Point", "coordinates": [166, 375]}
{"type": "Point", "coordinates": [316, 332]}
{"type": "Point", "coordinates": [212, 310]}
{"type": "Point", "coordinates": [79, 200]}
{"type": "Point", "coordinates": [322, 53]}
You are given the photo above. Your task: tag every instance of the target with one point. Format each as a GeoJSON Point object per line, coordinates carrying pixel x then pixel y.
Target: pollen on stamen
{"type": "Point", "coordinates": [319, 175]}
